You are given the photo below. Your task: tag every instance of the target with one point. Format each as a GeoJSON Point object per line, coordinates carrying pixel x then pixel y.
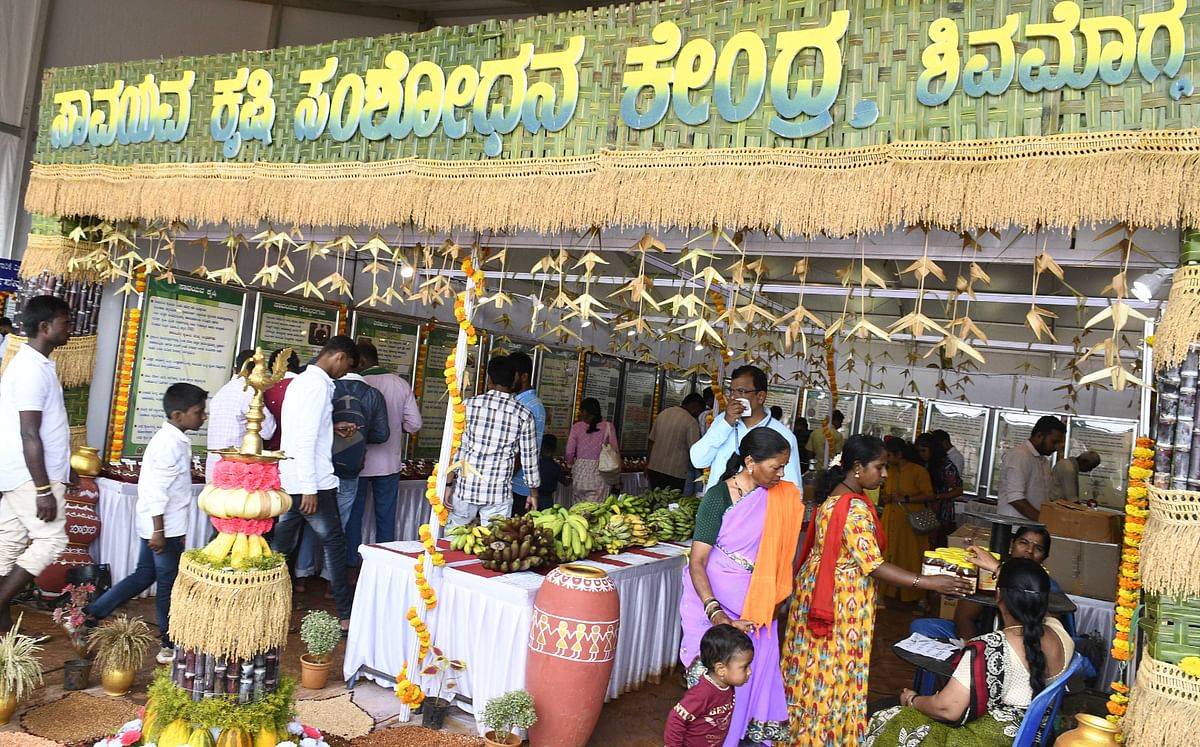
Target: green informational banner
{"type": "Point", "coordinates": [396, 341]}
{"type": "Point", "coordinates": [435, 401]}
{"type": "Point", "coordinates": [189, 334]}
{"type": "Point", "coordinates": [557, 380]}
{"type": "Point", "coordinates": [602, 381]}
{"type": "Point", "coordinates": [304, 326]}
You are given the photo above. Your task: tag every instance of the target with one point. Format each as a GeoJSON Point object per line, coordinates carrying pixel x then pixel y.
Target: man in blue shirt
{"type": "Point", "coordinates": [527, 396]}
{"type": "Point", "coordinates": [747, 384]}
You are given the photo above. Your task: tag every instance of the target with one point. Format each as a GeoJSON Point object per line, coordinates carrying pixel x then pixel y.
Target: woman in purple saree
{"type": "Point", "coordinates": [740, 570]}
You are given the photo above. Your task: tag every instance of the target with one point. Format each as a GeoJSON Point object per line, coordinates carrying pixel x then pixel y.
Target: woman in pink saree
{"type": "Point", "coordinates": [740, 571]}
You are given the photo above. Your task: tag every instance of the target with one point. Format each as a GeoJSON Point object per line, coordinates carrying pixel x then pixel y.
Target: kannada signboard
{"type": "Point", "coordinates": [189, 334]}
{"type": "Point", "coordinates": [602, 381]}
{"type": "Point", "coordinates": [637, 407]}
{"type": "Point", "coordinates": [435, 399]}
{"type": "Point", "coordinates": [816, 409]}
{"type": "Point", "coordinates": [394, 339]}
{"type": "Point", "coordinates": [967, 426]}
{"type": "Point", "coordinates": [889, 416]}
{"type": "Point", "coordinates": [786, 398]}
{"type": "Point", "coordinates": [1113, 440]}
{"type": "Point", "coordinates": [558, 377]}
{"type": "Point", "coordinates": [303, 326]}
{"type": "Point", "coordinates": [674, 389]}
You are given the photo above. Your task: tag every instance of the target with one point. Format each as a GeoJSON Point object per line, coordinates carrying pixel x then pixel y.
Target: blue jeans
{"type": "Point", "coordinates": [152, 568]}
{"type": "Point", "coordinates": [384, 491]}
{"type": "Point", "coordinates": [327, 525]}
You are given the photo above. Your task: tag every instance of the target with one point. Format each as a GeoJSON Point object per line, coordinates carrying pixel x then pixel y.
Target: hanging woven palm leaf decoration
{"type": "Point", "coordinates": [1036, 317]}
{"type": "Point", "coordinates": [312, 250]}
{"type": "Point", "coordinates": [794, 320]}
{"type": "Point", "coordinates": [1118, 313]}
{"type": "Point", "coordinates": [280, 241]}
{"type": "Point", "coordinates": [229, 274]}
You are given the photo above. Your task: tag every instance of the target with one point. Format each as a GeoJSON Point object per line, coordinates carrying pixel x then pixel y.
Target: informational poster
{"type": "Point", "coordinates": [557, 379]}
{"type": "Point", "coordinates": [189, 334]}
{"type": "Point", "coordinates": [396, 341]}
{"type": "Point", "coordinates": [637, 407]}
{"type": "Point", "coordinates": [505, 346]}
{"type": "Point", "coordinates": [602, 381]}
{"type": "Point", "coordinates": [967, 426]}
{"type": "Point", "coordinates": [673, 390]}
{"type": "Point", "coordinates": [787, 398]}
{"type": "Point", "coordinates": [303, 326]}
{"type": "Point", "coordinates": [1009, 429]}
{"type": "Point", "coordinates": [1113, 440]}
{"type": "Point", "coordinates": [894, 417]}
{"type": "Point", "coordinates": [816, 409]}
{"type": "Point", "coordinates": [435, 400]}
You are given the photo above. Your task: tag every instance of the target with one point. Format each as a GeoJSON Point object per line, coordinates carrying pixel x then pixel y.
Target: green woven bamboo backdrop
{"type": "Point", "coordinates": [881, 50]}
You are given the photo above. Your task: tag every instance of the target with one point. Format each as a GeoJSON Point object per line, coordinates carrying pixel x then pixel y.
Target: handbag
{"type": "Point", "coordinates": [610, 463]}
{"type": "Point", "coordinates": [923, 521]}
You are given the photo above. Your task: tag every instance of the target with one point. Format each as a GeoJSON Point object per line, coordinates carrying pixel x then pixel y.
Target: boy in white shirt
{"type": "Point", "coordinates": [164, 497]}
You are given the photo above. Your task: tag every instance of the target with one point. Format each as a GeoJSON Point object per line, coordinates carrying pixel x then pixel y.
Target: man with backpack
{"type": "Point", "coordinates": [360, 417]}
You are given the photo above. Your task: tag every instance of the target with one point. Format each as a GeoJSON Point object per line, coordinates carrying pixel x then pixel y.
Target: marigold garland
{"type": "Point", "coordinates": [423, 587]}
{"type": "Point", "coordinates": [424, 637]}
{"type": "Point", "coordinates": [430, 546]}
{"type": "Point", "coordinates": [407, 691]}
{"type": "Point", "coordinates": [133, 322]}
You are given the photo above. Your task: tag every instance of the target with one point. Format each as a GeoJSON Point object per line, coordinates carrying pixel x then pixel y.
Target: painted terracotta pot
{"type": "Point", "coordinates": [83, 528]}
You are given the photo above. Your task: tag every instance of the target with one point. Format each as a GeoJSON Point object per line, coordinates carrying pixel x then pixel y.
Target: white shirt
{"type": "Point", "coordinates": [721, 439]}
{"type": "Point", "coordinates": [31, 384]}
{"type": "Point", "coordinates": [227, 419]}
{"type": "Point", "coordinates": [1064, 480]}
{"type": "Point", "coordinates": [1024, 475]}
{"type": "Point", "coordinates": [956, 458]}
{"type": "Point", "coordinates": [308, 439]}
{"type": "Point", "coordinates": [165, 483]}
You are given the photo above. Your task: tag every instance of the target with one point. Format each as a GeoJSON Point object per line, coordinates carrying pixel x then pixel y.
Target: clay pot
{"type": "Point", "coordinates": [8, 706]}
{"type": "Point", "coordinates": [86, 462]}
{"type": "Point", "coordinates": [313, 674]}
{"type": "Point", "coordinates": [117, 682]}
{"type": "Point", "coordinates": [1093, 731]}
{"type": "Point", "coordinates": [512, 741]}
{"type": "Point", "coordinates": [433, 713]}
{"type": "Point", "coordinates": [83, 528]}
{"type": "Point", "coordinates": [572, 644]}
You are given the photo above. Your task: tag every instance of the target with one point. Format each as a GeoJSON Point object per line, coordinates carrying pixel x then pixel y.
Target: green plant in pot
{"type": "Point", "coordinates": [20, 670]}
{"type": "Point", "coordinates": [445, 672]}
{"type": "Point", "coordinates": [320, 632]}
{"type": "Point", "coordinates": [120, 646]}
{"type": "Point", "coordinates": [512, 710]}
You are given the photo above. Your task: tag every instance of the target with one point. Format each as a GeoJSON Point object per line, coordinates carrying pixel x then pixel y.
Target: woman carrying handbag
{"type": "Point", "coordinates": [593, 454]}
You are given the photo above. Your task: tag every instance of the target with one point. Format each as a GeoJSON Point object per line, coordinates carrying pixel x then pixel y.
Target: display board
{"type": "Point", "coordinates": [786, 397]}
{"type": "Point", "coordinates": [303, 326]}
{"type": "Point", "coordinates": [889, 416]}
{"type": "Point", "coordinates": [395, 339]}
{"type": "Point", "coordinates": [435, 402]}
{"type": "Point", "coordinates": [672, 390]}
{"type": "Point", "coordinates": [816, 408]}
{"type": "Point", "coordinates": [190, 332]}
{"type": "Point", "coordinates": [967, 426]}
{"type": "Point", "coordinates": [602, 380]}
{"type": "Point", "coordinates": [1113, 440]}
{"type": "Point", "coordinates": [557, 381]}
{"type": "Point", "coordinates": [1009, 429]}
{"type": "Point", "coordinates": [637, 407]}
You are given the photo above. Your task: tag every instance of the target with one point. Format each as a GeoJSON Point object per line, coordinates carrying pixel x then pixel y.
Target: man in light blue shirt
{"type": "Point", "coordinates": [721, 440]}
{"type": "Point", "coordinates": [527, 396]}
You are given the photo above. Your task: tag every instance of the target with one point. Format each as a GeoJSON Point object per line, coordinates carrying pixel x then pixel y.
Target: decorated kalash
{"type": "Point", "coordinates": [229, 612]}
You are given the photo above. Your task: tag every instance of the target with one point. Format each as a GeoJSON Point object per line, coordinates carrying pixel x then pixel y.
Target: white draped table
{"type": "Point", "coordinates": [1095, 617]}
{"type": "Point", "coordinates": [485, 621]}
{"type": "Point", "coordinates": [118, 544]}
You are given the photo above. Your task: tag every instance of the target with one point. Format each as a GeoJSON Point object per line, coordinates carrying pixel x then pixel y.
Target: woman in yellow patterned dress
{"type": "Point", "coordinates": [831, 624]}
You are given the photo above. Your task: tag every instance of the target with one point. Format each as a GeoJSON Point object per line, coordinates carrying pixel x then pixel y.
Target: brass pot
{"type": "Point", "coordinates": [8, 706]}
{"type": "Point", "coordinates": [86, 461]}
{"type": "Point", "coordinates": [117, 682]}
{"type": "Point", "coordinates": [1093, 731]}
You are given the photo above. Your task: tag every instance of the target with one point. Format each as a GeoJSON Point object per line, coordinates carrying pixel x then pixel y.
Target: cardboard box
{"type": "Point", "coordinates": [970, 535]}
{"type": "Point", "coordinates": [947, 609]}
{"type": "Point", "coordinates": [1074, 520]}
{"type": "Point", "coordinates": [1084, 568]}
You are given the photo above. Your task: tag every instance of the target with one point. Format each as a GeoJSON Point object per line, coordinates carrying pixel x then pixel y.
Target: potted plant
{"type": "Point", "coordinates": [120, 646]}
{"type": "Point", "coordinates": [433, 710]}
{"type": "Point", "coordinates": [320, 632]}
{"type": "Point", "coordinates": [20, 671]}
{"type": "Point", "coordinates": [512, 710]}
{"type": "Point", "coordinates": [76, 672]}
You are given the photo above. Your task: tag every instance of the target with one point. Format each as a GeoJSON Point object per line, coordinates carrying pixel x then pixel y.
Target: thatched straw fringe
{"type": "Point", "coordinates": [75, 361]}
{"type": "Point", "coordinates": [53, 254]}
{"type": "Point", "coordinates": [237, 614]}
{"type": "Point", "coordinates": [1163, 706]}
{"type": "Point", "coordinates": [1171, 543]}
{"type": "Point", "coordinates": [1180, 325]}
{"type": "Point", "coordinates": [1061, 180]}
{"type": "Point", "coordinates": [78, 437]}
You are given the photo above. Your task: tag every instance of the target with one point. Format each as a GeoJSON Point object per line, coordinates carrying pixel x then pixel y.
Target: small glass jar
{"type": "Point", "coordinates": [931, 564]}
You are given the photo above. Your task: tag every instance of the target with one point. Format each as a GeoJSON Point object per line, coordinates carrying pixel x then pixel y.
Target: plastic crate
{"type": "Point", "coordinates": [1171, 626]}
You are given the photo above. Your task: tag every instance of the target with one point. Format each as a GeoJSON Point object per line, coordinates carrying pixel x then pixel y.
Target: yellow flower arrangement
{"type": "Point", "coordinates": [1129, 579]}
{"type": "Point", "coordinates": [408, 691]}
{"type": "Point", "coordinates": [426, 591]}
{"type": "Point", "coordinates": [1190, 666]}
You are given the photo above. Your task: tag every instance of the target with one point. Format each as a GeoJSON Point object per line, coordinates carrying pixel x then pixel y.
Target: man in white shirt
{"type": "Point", "coordinates": [164, 498]}
{"type": "Point", "coordinates": [227, 416]}
{"type": "Point", "coordinates": [1025, 472]}
{"type": "Point", "coordinates": [35, 452]}
{"type": "Point", "coordinates": [722, 438]}
{"type": "Point", "coordinates": [952, 453]}
{"type": "Point", "coordinates": [1064, 478]}
{"type": "Point", "coordinates": [307, 474]}
{"type": "Point", "coordinates": [6, 330]}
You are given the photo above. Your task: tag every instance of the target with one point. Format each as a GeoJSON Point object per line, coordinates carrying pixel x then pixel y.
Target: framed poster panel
{"type": "Point", "coordinates": [395, 339]}
{"type": "Point", "coordinates": [889, 416]}
{"type": "Point", "coordinates": [602, 380]}
{"type": "Point", "coordinates": [816, 408]}
{"type": "Point", "coordinates": [637, 407]}
{"type": "Point", "coordinates": [302, 325]}
{"type": "Point", "coordinates": [968, 429]}
{"type": "Point", "coordinates": [435, 400]}
{"type": "Point", "coordinates": [672, 390]}
{"type": "Point", "coordinates": [190, 333]}
{"type": "Point", "coordinates": [1009, 429]}
{"type": "Point", "coordinates": [1111, 438]}
{"type": "Point", "coordinates": [557, 382]}
{"type": "Point", "coordinates": [787, 398]}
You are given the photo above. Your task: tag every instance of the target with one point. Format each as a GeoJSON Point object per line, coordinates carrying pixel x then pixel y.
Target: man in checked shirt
{"type": "Point", "coordinates": [497, 429]}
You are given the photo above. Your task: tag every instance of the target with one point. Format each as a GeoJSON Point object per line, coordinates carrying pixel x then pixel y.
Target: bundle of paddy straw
{"type": "Point", "coordinates": [235, 615]}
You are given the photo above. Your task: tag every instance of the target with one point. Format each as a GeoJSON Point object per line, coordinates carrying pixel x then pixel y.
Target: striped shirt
{"type": "Point", "coordinates": [497, 429]}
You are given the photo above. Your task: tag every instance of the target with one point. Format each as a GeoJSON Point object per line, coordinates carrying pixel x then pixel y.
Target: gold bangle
{"type": "Point", "coordinates": [40, 488]}
{"type": "Point", "coordinates": [916, 582]}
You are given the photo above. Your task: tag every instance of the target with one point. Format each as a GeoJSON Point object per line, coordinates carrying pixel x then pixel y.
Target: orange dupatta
{"type": "Point", "coordinates": [771, 582]}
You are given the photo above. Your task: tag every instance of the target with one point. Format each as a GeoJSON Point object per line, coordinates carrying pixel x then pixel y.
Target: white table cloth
{"type": "Point", "coordinates": [118, 544]}
{"type": "Point", "coordinates": [485, 621]}
{"type": "Point", "coordinates": [1095, 617]}
{"type": "Point", "coordinates": [634, 483]}
{"type": "Point", "coordinates": [412, 510]}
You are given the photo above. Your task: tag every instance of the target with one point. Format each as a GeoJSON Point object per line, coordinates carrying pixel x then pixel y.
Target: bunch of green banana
{"type": "Point", "coordinates": [586, 508]}
{"type": "Point", "coordinates": [641, 534]}
{"type": "Point", "coordinates": [469, 539]}
{"type": "Point", "coordinates": [517, 544]}
{"type": "Point", "coordinates": [616, 535]}
{"type": "Point", "coordinates": [638, 505]}
{"type": "Point", "coordinates": [662, 497]}
{"type": "Point", "coordinates": [575, 538]}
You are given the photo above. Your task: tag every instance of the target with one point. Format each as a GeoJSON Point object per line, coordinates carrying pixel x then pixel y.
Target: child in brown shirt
{"type": "Point", "coordinates": [701, 718]}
